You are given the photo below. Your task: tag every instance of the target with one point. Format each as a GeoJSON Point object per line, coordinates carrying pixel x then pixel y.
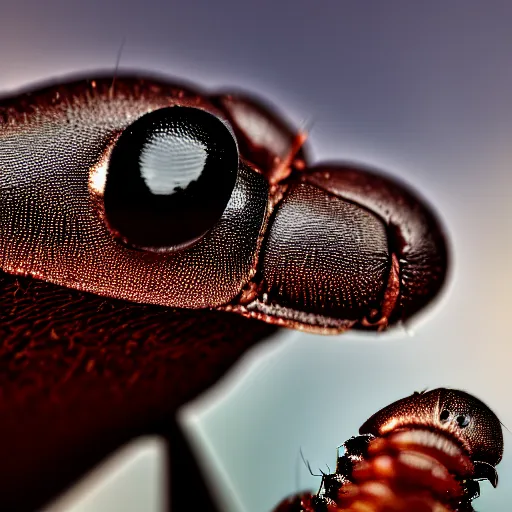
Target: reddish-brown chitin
{"type": "Point", "coordinates": [102, 342]}
{"type": "Point", "coordinates": [424, 453]}
{"type": "Point", "coordinates": [322, 247]}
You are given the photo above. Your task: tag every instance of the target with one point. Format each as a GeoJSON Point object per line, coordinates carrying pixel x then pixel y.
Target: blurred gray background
{"type": "Point", "coordinates": [422, 90]}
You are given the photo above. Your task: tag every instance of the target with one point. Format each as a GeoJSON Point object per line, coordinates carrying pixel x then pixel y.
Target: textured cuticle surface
{"type": "Point", "coordinates": [346, 262]}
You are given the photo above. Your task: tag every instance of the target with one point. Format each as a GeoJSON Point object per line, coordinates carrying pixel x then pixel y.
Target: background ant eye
{"type": "Point", "coordinates": [463, 420]}
{"type": "Point", "coordinates": [445, 415]}
{"type": "Point", "coordinates": [170, 177]}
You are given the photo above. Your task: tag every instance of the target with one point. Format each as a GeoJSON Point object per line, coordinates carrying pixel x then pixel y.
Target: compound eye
{"type": "Point", "coordinates": [463, 420]}
{"type": "Point", "coordinates": [170, 177]}
{"type": "Point", "coordinates": [444, 416]}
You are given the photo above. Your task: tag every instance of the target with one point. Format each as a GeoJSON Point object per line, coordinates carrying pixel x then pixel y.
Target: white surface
{"type": "Point", "coordinates": [131, 480]}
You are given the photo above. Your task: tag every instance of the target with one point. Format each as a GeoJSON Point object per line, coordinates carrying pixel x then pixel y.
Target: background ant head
{"type": "Point", "coordinates": [460, 415]}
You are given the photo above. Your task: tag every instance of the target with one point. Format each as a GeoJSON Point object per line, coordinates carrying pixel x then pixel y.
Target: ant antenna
{"type": "Point", "coordinates": [308, 465]}
{"type": "Point", "coordinates": [116, 69]}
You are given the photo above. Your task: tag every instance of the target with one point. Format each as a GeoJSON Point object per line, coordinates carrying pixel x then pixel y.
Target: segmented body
{"type": "Point", "coordinates": [412, 459]}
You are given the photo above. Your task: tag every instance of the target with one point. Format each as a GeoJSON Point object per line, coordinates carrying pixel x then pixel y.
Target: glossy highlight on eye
{"type": "Point", "coordinates": [170, 177]}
